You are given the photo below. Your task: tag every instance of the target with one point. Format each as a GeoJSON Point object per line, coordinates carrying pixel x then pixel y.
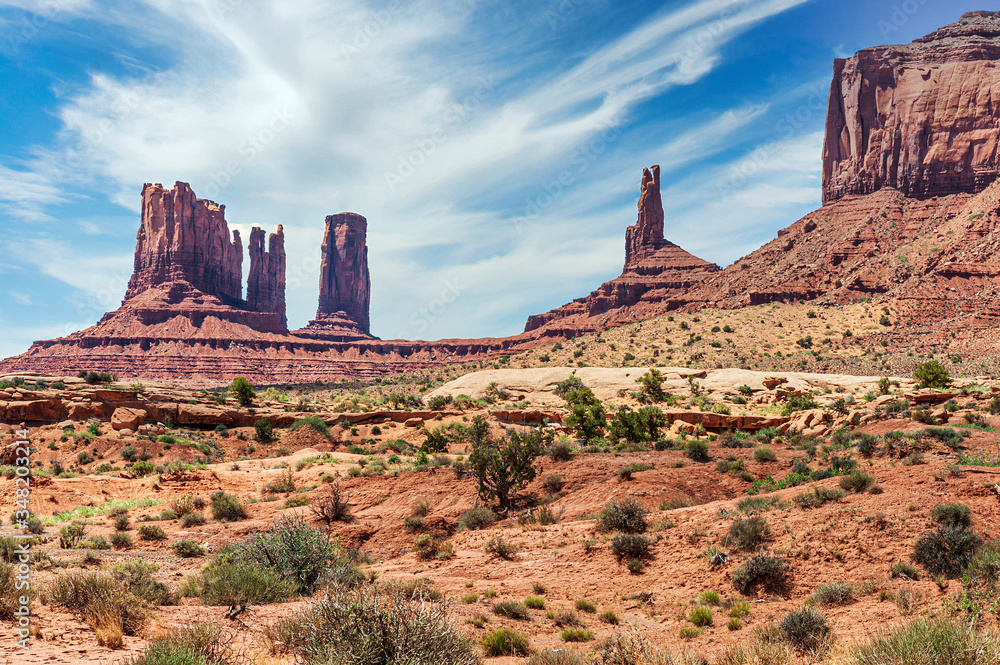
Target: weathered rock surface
{"type": "Point", "coordinates": [344, 281]}
{"type": "Point", "coordinates": [656, 276]}
{"type": "Point", "coordinates": [184, 238]}
{"type": "Point", "coordinates": [921, 118]}
{"type": "Point", "coordinates": [266, 282]}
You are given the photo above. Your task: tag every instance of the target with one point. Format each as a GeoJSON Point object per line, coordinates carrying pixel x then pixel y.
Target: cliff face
{"type": "Point", "coordinates": [266, 282]}
{"type": "Point", "coordinates": [923, 118]}
{"type": "Point", "coordinates": [184, 238]}
{"type": "Point", "coordinates": [657, 273]}
{"type": "Point", "coordinates": [344, 281]}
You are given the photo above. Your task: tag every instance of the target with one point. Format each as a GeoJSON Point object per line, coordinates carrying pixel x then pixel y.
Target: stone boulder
{"type": "Point", "coordinates": [125, 418]}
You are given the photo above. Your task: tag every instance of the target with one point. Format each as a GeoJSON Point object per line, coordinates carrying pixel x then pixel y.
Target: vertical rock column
{"type": "Point", "coordinates": [266, 282]}
{"type": "Point", "coordinates": [646, 235]}
{"type": "Point", "coordinates": [344, 282]}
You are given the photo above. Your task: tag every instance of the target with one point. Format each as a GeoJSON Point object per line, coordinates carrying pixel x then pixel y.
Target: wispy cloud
{"type": "Point", "coordinates": [284, 113]}
{"type": "Point", "coordinates": [25, 194]}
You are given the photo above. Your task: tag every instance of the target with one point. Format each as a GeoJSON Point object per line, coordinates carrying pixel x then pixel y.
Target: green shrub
{"type": "Point", "coordinates": [142, 469]}
{"type": "Point", "coordinates": [748, 534]}
{"type": "Point", "coordinates": [505, 642]}
{"type": "Point", "coordinates": [315, 422]}
{"type": "Point", "coordinates": [952, 514]}
{"type": "Point", "coordinates": [629, 546]}
{"type": "Point", "coordinates": [585, 605]}
{"type": "Point", "coordinates": [833, 593]}
{"type": "Point", "coordinates": [697, 451]}
{"type": "Point", "coordinates": [805, 629]}
{"type": "Point", "coordinates": [192, 519]}
{"type": "Point", "coordinates": [264, 430]}
{"type": "Point", "coordinates": [291, 548]}
{"type": "Point", "coordinates": [709, 598]}
{"type": "Point", "coordinates": [477, 518]}
{"type": "Point", "coordinates": [121, 540]}
{"type": "Point", "coordinates": [931, 374]}
{"type": "Point", "coordinates": [609, 617]}
{"type": "Point", "coordinates": [798, 403]}
{"type": "Point", "coordinates": [501, 548]}
{"type": "Point", "coordinates": [227, 508]}
{"type": "Point", "coordinates": [701, 616]}
{"type": "Point", "coordinates": [576, 635]}
{"type": "Point", "coordinates": [946, 550]}
{"type": "Point", "coordinates": [367, 626]}
{"type": "Point", "coordinates": [624, 515]}
{"type": "Point", "coordinates": [923, 641]}
{"type": "Point", "coordinates": [241, 389]}
{"type": "Point", "coordinates": [502, 467]}
{"type": "Point", "coordinates": [186, 549]}
{"type": "Point", "coordinates": [188, 645]}
{"type": "Point", "coordinates": [762, 571]}
{"type": "Point", "coordinates": [512, 610]}
{"type": "Point", "coordinates": [152, 532]}
{"type": "Point", "coordinates": [9, 593]}
{"type": "Point", "coordinates": [296, 502]}
{"type": "Point", "coordinates": [534, 603]}
{"type": "Point", "coordinates": [858, 481]}
{"type": "Point", "coordinates": [764, 454]}
{"type": "Point", "coordinates": [238, 583]}
{"type": "Point", "coordinates": [904, 570]}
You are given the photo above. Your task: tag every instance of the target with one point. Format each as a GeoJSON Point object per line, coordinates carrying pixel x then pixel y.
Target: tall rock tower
{"type": "Point", "coordinates": [266, 282]}
{"type": "Point", "coordinates": [344, 282]}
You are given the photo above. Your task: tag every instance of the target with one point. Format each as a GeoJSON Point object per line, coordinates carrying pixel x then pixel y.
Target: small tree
{"type": "Point", "coordinates": [503, 467]}
{"type": "Point", "coordinates": [587, 415]}
{"type": "Point", "coordinates": [652, 384]}
{"type": "Point", "coordinates": [265, 430]}
{"type": "Point", "coordinates": [637, 426]}
{"type": "Point", "coordinates": [932, 374]}
{"type": "Point", "coordinates": [242, 391]}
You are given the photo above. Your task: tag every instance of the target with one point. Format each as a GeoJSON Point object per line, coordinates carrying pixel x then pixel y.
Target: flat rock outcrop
{"type": "Point", "coordinates": [921, 118]}
{"type": "Point", "coordinates": [656, 275]}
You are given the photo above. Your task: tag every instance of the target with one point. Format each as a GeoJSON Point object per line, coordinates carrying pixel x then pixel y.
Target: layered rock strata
{"type": "Point", "coordinates": [923, 118]}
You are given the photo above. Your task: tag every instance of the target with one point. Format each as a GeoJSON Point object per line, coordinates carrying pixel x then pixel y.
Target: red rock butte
{"type": "Point", "coordinates": [655, 279]}
{"type": "Point", "coordinates": [921, 118]}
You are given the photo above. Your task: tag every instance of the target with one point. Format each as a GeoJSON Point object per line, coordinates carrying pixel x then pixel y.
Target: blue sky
{"type": "Point", "coordinates": [495, 146]}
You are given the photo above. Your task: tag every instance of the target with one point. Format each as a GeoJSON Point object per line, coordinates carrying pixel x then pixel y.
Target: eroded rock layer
{"type": "Point", "coordinates": [923, 118]}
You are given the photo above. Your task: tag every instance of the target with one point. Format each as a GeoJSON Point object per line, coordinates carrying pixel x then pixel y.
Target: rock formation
{"type": "Point", "coordinates": [922, 118]}
{"type": "Point", "coordinates": [184, 238]}
{"type": "Point", "coordinates": [266, 282]}
{"type": "Point", "coordinates": [344, 282]}
{"type": "Point", "coordinates": [657, 273]}
{"type": "Point", "coordinates": [645, 237]}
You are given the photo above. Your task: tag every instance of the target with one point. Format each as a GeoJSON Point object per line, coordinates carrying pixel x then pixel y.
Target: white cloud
{"type": "Point", "coordinates": [26, 194]}
{"type": "Point", "coordinates": [278, 110]}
